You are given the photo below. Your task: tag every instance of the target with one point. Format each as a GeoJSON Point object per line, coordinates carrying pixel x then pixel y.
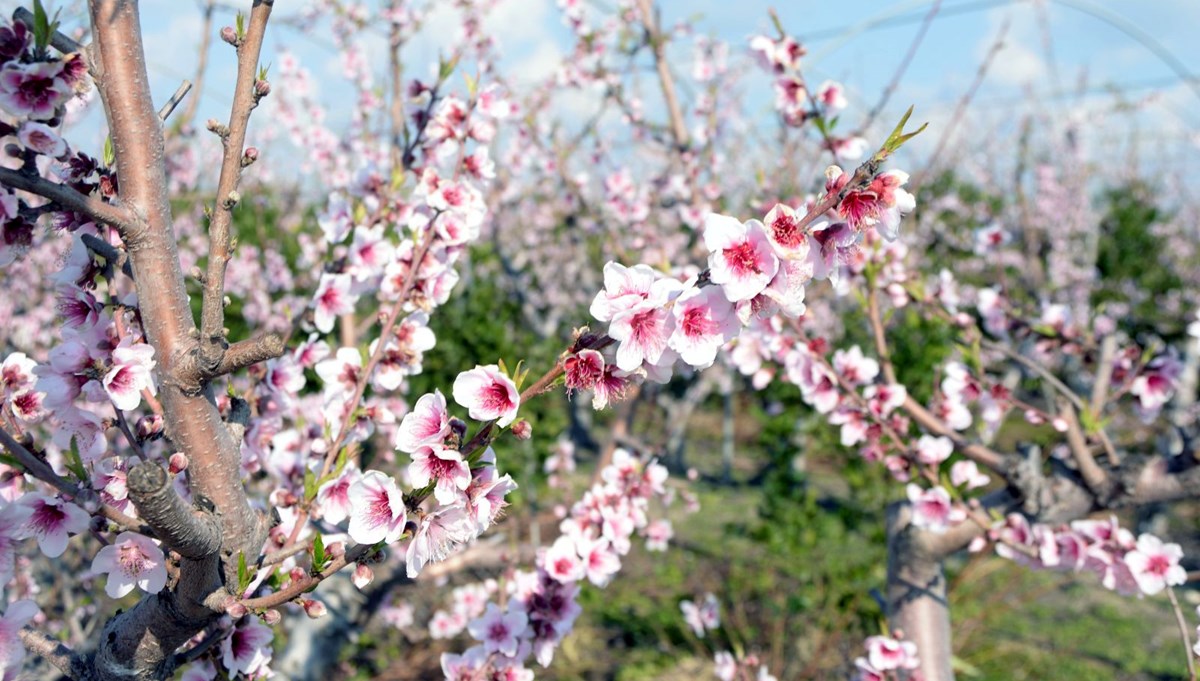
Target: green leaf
{"type": "Point", "coordinates": [9, 460]}
{"type": "Point", "coordinates": [310, 486]}
{"type": "Point", "coordinates": [244, 574]}
{"type": "Point", "coordinates": [318, 551]}
{"type": "Point", "coordinates": [240, 25]}
{"type": "Point", "coordinates": [898, 136]}
{"type": "Point", "coordinates": [110, 154]}
{"type": "Point", "coordinates": [41, 25]}
{"type": "Point", "coordinates": [74, 462]}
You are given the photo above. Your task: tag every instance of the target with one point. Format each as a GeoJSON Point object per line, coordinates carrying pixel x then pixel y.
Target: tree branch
{"type": "Point", "coordinates": [67, 198]}
{"type": "Point", "coordinates": [52, 651]}
{"type": "Point", "coordinates": [249, 352]}
{"type": "Point", "coordinates": [245, 99]}
{"type": "Point", "coordinates": [188, 532]}
{"type": "Point", "coordinates": [658, 45]}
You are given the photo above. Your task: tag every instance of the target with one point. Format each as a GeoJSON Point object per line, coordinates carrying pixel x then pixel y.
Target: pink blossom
{"type": "Point", "coordinates": [625, 287]}
{"type": "Point", "coordinates": [882, 400]}
{"type": "Point", "coordinates": [487, 394]}
{"type": "Point", "coordinates": [445, 468]}
{"type": "Point", "coordinates": [1155, 565]}
{"type": "Point", "coordinates": [247, 650]}
{"type": "Point", "coordinates": [967, 473]}
{"type": "Point", "coordinates": [562, 562]}
{"type": "Point", "coordinates": [1156, 384]}
{"type": "Point", "coordinates": [333, 496]}
{"type": "Point", "coordinates": [881, 204]}
{"type": "Point", "coordinates": [831, 95]}
{"type": "Point", "coordinates": [854, 367]}
{"type": "Point", "coordinates": [583, 370]}
{"type": "Point", "coordinates": [131, 560]}
{"type": "Point", "coordinates": [332, 299]}
{"type": "Point", "coordinates": [725, 667]}
{"type": "Point", "coordinates": [741, 259]}
{"type": "Point", "coordinates": [130, 374]}
{"type": "Point", "coordinates": [427, 425]}
{"type": "Point", "coordinates": [600, 563]}
{"type": "Point", "coordinates": [932, 509]}
{"type": "Point", "coordinates": [53, 521]}
{"type": "Point", "coordinates": [377, 511]}
{"type": "Point", "coordinates": [12, 519]}
{"type": "Point", "coordinates": [642, 333]}
{"type": "Point", "coordinates": [500, 631]}
{"type": "Point", "coordinates": [887, 654]}
{"type": "Point", "coordinates": [658, 533]}
{"type": "Point", "coordinates": [12, 651]}
{"type": "Point", "coordinates": [42, 139]}
{"type": "Point", "coordinates": [438, 534]}
{"type": "Point", "coordinates": [704, 321]}
{"type": "Point", "coordinates": [782, 227]}
{"type": "Point", "coordinates": [340, 374]}
{"type": "Point", "coordinates": [933, 450]}
{"type": "Point", "coordinates": [831, 247]}
{"type": "Point", "coordinates": [34, 90]}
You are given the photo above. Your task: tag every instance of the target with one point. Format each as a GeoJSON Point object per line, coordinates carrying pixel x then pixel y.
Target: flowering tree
{"type": "Point", "coordinates": [221, 479]}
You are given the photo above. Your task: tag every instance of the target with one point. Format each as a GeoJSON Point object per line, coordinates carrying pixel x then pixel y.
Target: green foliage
{"type": "Point", "coordinates": [1131, 257]}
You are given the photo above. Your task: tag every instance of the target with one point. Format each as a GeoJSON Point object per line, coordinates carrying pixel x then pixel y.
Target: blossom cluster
{"type": "Point", "coordinates": [542, 605]}
{"type": "Point", "coordinates": [1142, 566]}
{"type": "Point", "coordinates": [888, 659]}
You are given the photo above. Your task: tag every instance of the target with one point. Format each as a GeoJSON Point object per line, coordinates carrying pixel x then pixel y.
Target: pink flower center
{"type": "Point", "coordinates": [644, 325]}
{"type": "Point", "coordinates": [742, 258]}
{"type": "Point", "coordinates": [786, 230]}
{"type": "Point", "coordinates": [48, 518]}
{"type": "Point", "coordinates": [1158, 565]}
{"type": "Point", "coordinates": [379, 512]}
{"type": "Point", "coordinates": [697, 323]}
{"type": "Point", "coordinates": [132, 561]}
{"type": "Point", "coordinates": [122, 380]}
{"type": "Point", "coordinates": [495, 397]}
{"type": "Point", "coordinates": [498, 631]}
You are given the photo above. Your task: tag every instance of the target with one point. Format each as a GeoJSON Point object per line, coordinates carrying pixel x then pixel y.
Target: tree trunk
{"type": "Point", "coordinates": [916, 594]}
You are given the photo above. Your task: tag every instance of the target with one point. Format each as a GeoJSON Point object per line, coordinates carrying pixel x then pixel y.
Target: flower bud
{"type": "Point", "coordinates": [522, 430]}
{"type": "Point", "coordinates": [229, 35]}
{"type": "Point", "coordinates": [298, 574]}
{"type": "Point", "coordinates": [272, 617]}
{"type": "Point", "coordinates": [234, 608]}
{"type": "Point", "coordinates": [178, 463]}
{"type": "Point", "coordinates": [362, 576]}
{"type": "Point", "coordinates": [314, 608]}
{"type": "Point", "coordinates": [150, 425]}
{"type": "Point", "coordinates": [336, 550]}
{"type": "Point", "coordinates": [262, 88]}
{"type": "Point", "coordinates": [249, 156]}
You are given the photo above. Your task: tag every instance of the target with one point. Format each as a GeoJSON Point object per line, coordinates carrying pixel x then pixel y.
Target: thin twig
{"type": "Point", "coordinates": [1183, 633]}
{"type": "Point", "coordinates": [901, 67]}
{"type": "Point", "coordinates": [180, 93]}
{"type": "Point", "coordinates": [66, 197]}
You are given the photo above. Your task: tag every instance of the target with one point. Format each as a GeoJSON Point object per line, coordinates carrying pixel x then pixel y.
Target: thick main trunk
{"type": "Point", "coordinates": [916, 594]}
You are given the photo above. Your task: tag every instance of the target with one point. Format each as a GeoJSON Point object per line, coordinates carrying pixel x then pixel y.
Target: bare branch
{"type": "Point", "coordinates": [190, 533]}
{"type": "Point", "coordinates": [117, 258]}
{"type": "Point", "coordinates": [189, 112]}
{"type": "Point", "coordinates": [658, 45]}
{"type": "Point", "coordinates": [50, 650]}
{"type": "Point", "coordinates": [978, 453]}
{"type": "Point", "coordinates": [212, 316]}
{"type": "Point", "coordinates": [1093, 475]}
{"type": "Point", "coordinates": [174, 101]}
{"type": "Point", "coordinates": [249, 352]}
{"type": "Point", "coordinates": [66, 197]}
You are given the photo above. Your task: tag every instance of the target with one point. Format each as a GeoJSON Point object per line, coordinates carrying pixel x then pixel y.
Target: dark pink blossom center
{"type": "Point", "coordinates": [786, 230]}
{"type": "Point", "coordinates": [696, 323]}
{"type": "Point", "coordinates": [742, 259]}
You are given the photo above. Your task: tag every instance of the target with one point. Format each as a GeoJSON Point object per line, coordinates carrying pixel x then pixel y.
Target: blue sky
{"type": "Point", "coordinates": [1053, 50]}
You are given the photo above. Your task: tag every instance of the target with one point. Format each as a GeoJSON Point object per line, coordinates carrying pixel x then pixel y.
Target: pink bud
{"type": "Point", "coordinates": [314, 608]}
{"type": "Point", "coordinates": [149, 426]}
{"type": "Point", "coordinates": [362, 576]}
{"type": "Point", "coordinates": [229, 35]}
{"type": "Point", "coordinates": [272, 617]}
{"type": "Point", "coordinates": [297, 574]}
{"type": "Point", "coordinates": [262, 88]}
{"type": "Point", "coordinates": [249, 156]}
{"type": "Point", "coordinates": [522, 430]}
{"type": "Point", "coordinates": [178, 463]}
{"type": "Point", "coordinates": [336, 550]}
{"type": "Point", "coordinates": [234, 608]}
